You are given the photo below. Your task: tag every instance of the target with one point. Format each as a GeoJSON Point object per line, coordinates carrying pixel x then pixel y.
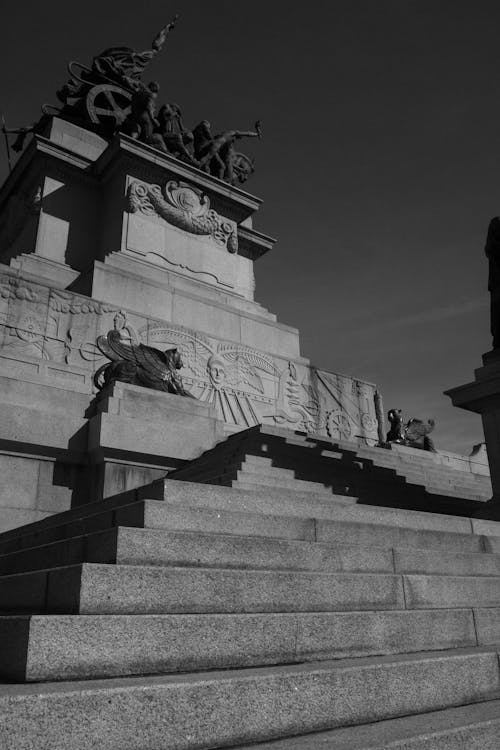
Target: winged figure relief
{"type": "Point", "coordinates": [229, 376]}
{"type": "Point", "coordinates": [139, 364]}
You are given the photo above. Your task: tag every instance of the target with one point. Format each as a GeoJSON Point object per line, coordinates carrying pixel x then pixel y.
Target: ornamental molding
{"type": "Point", "coordinates": [185, 207]}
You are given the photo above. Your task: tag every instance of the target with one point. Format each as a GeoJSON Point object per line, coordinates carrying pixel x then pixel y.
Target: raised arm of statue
{"type": "Point", "coordinates": [160, 38]}
{"type": "Point", "coordinates": [257, 133]}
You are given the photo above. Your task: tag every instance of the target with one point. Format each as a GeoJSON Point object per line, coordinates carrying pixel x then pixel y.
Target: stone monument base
{"type": "Point", "coordinates": [135, 433]}
{"type": "Point", "coordinates": [482, 396]}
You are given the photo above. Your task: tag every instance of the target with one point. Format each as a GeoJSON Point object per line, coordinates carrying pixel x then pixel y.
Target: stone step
{"type": "Point", "coordinates": [455, 483]}
{"type": "Point", "coordinates": [271, 479]}
{"type": "Point", "coordinates": [68, 647]}
{"type": "Point", "coordinates": [156, 546]}
{"type": "Point", "coordinates": [231, 708]}
{"type": "Point", "coordinates": [425, 592]}
{"type": "Point", "coordinates": [277, 479]}
{"type": "Point", "coordinates": [92, 588]}
{"type": "Point", "coordinates": [74, 514]}
{"type": "Point", "coordinates": [472, 727]}
{"type": "Point", "coordinates": [361, 525]}
{"type": "Point", "coordinates": [438, 562]}
{"type": "Point", "coordinates": [154, 514]}
{"type": "Point", "coordinates": [138, 546]}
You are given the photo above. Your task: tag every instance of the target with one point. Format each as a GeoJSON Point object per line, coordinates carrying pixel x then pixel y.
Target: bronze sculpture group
{"type": "Point", "coordinates": [111, 96]}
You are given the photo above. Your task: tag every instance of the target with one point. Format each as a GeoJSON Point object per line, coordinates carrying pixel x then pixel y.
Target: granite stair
{"type": "Point", "coordinates": [192, 615]}
{"type": "Point", "coordinates": [270, 457]}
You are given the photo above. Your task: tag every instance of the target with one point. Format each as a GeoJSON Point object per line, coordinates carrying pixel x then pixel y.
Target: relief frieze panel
{"type": "Point", "coordinates": [245, 386]}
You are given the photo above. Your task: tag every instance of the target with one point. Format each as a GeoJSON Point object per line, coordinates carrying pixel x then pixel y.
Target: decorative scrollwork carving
{"type": "Point", "coordinates": [65, 302]}
{"type": "Point", "coordinates": [11, 289]}
{"type": "Point", "coordinates": [184, 207]}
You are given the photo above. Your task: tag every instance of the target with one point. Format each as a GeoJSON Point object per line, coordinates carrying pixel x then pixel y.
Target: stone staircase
{"type": "Point", "coordinates": [189, 615]}
{"type": "Point", "coordinates": [265, 457]}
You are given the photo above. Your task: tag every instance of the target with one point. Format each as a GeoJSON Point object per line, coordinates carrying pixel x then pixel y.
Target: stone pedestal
{"type": "Point", "coordinates": [100, 235]}
{"type": "Point", "coordinates": [136, 434]}
{"type": "Point", "coordinates": [482, 396]}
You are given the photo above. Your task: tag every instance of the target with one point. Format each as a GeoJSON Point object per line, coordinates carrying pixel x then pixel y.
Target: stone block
{"type": "Point", "coordinates": [362, 534]}
{"type": "Point", "coordinates": [118, 589]}
{"type": "Point", "coordinates": [487, 622]}
{"type": "Point", "coordinates": [39, 428]}
{"type": "Point", "coordinates": [132, 546]}
{"type": "Point", "coordinates": [143, 296]}
{"type": "Point", "coordinates": [211, 319]}
{"type": "Point", "coordinates": [19, 477]}
{"type": "Point", "coordinates": [475, 727]}
{"type": "Point", "coordinates": [355, 634]}
{"type": "Point", "coordinates": [13, 517]}
{"type": "Point", "coordinates": [195, 256]}
{"type": "Point", "coordinates": [485, 527]}
{"type": "Point", "coordinates": [281, 340]}
{"type": "Point", "coordinates": [76, 139]}
{"type": "Point", "coordinates": [233, 708]}
{"type": "Point", "coordinates": [154, 514]}
{"type": "Point", "coordinates": [446, 563]}
{"type": "Point", "coordinates": [425, 592]}
{"type": "Point", "coordinates": [352, 513]}
{"type": "Point", "coordinates": [61, 647]}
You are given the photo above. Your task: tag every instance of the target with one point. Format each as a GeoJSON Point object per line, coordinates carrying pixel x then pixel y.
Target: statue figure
{"type": "Point", "coordinates": [217, 155]}
{"type": "Point", "coordinates": [140, 365]}
{"type": "Point", "coordinates": [124, 65]}
{"type": "Point", "coordinates": [492, 250]}
{"type": "Point", "coordinates": [395, 434]}
{"type": "Point", "coordinates": [417, 432]}
{"type": "Point", "coordinates": [101, 95]}
{"type": "Point", "coordinates": [141, 122]}
{"type": "Point", "coordinates": [414, 434]}
{"type": "Point", "coordinates": [171, 136]}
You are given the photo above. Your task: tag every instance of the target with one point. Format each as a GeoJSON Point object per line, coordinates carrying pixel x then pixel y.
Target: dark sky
{"type": "Point", "coordinates": [379, 166]}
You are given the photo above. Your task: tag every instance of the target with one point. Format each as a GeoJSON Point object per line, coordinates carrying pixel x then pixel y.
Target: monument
{"type": "Point", "coordinates": [483, 395]}
{"type": "Point", "coordinates": [126, 234]}
{"type": "Point", "coordinates": [204, 542]}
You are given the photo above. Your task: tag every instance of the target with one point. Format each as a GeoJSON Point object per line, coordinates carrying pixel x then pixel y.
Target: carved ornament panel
{"type": "Point", "coordinates": [185, 207]}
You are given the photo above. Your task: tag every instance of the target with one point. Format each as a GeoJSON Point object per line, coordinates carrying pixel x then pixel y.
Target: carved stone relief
{"type": "Point", "coordinates": [237, 380]}
{"type": "Point", "coordinates": [185, 207]}
{"type": "Point", "coordinates": [245, 386]}
{"type": "Point", "coordinates": [350, 407]}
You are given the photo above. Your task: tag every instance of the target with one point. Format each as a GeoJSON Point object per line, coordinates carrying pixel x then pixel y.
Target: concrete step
{"type": "Point", "coordinates": [125, 589]}
{"type": "Point", "coordinates": [138, 546]}
{"type": "Point", "coordinates": [68, 647]}
{"type": "Point", "coordinates": [472, 727]}
{"type": "Point", "coordinates": [230, 708]}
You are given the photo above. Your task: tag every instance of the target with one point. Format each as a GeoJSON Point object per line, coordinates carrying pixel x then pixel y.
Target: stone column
{"type": "Point", "coordinates": [482, 396]}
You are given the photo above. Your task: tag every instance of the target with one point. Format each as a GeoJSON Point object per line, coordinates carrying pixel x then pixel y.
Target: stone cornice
{"type": "Point", "coordinates": [38, 150]}
{"type": "Point", "coordinates": [238, 204]}
{"type": "Point", "coordinates": [253, 244]}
